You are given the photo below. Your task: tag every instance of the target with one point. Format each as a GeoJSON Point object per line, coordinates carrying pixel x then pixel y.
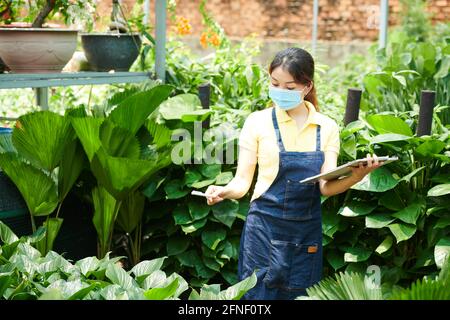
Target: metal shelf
{"type": "Point", "coordinates": [29, 80]}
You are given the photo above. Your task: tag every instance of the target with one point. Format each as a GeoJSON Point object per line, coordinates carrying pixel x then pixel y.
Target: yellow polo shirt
{"type": "Point", "coordinates": [258, 134]}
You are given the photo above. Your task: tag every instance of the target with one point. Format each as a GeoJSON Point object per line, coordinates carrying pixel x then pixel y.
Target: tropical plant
{"type": "Point", "coordinates": [357, 286]}
{"type": "Point", "coordinates": [37, 12]}
{"type": "Point", "coordinates": [26, 274]}
{"type": "Point", "coordinates": [397, 216]}
{"type": "Point", "coordinates": [43, 159]}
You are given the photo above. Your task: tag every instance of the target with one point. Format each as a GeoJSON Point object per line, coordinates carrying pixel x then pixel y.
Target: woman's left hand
{"type": "Point", "coordinates": [360, 172]}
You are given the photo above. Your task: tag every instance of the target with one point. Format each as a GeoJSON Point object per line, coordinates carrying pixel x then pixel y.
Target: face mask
{"type": "Point", "coordinates": [285, 99]}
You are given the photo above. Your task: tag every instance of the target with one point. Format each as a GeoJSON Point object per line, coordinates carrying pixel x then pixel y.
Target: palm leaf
{"type": "Point", "coordinates": [6, 144]}
{"type": "Point", "coordinates": [105, 213]}
{"type": "Point", "coordinates": [52, 226]}
{"type": "Point", "coordinates": [160, 133]}
{"type": "Point", "coordinates": [131, 211]}
{"type": "Point", "coordinates": [119, 142]}
{"type": "Point", "coordinates": [37, 188]}
{"type": "Point", "coordinates": [122, 175]}
{"type": "Point", "coordinates": [345, 286]}
{"type": "Point", "coordinates": [132, 112]}
{"type": "Point", "coordinates": [88, 131]}
{"type": "Point", "coordinates": [70, 168]}
{"type": "Point", "coordinates": [42, 137]}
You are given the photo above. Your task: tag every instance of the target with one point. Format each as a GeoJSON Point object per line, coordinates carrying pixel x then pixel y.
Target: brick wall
{"type": "Point", "coordinates": [339, 20]}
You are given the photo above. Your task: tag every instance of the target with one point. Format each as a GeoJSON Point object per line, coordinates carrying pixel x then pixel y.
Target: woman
{"type": "Point", "coordinates": [282, 236]}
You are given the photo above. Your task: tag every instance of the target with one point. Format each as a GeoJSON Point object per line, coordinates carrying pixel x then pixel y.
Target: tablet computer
{"type": "Point", "coordinates": [344, 170]}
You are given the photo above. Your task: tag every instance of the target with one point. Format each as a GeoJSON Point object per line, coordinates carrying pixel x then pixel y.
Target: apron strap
{"type": "Point", "coordinates": [318, 138]}
{"type": "Point", "coordinates": [277, 131]}
{"type": "Point", "coordinates": [278, 134]}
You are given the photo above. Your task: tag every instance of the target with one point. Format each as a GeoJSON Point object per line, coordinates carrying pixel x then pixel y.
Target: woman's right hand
{"type": "Point", "coordinates": [214, 194]}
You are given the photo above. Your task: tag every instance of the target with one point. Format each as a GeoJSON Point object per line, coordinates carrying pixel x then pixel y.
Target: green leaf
{"type": "Point", "coordinates": [70, 168]}
{"type": "Point", "coordinates": [175, 189]}
{"type": "Point", "coordinates": [442, 251]}
{"type": "Point", "coordinates": [385, 245]}
{"type": "Point", "coordinates": [378, 221]}
{"type": "Point", "coordinates": [189, 228]}
{"type": "Point", "coordinates": [162, 293]}
{"type": "Point", "coordinates": [132, 112]}
{"type": "Point", "coordinates": [36, 187]}
{"type": "Point", "coordinates": [177, 245]}
{"type": "Point", "coordinates": [6, 234]}
{"type": "Point", "coordinates": [224, 178]}
{"type": "Point", "coordinates": [439, 190]}
{"type": "Point", "coordinates": [196, 115]}
{"type": "Point", "coordinates": [189, 258]}
{"type": "Point", "coordinates": [131, 211]}
{"type": "Point", "coordinates": [119, 142]}
{"type": "Point", "coordinates": [105, 213]}
{"type": "Point", "coordinates": [383, 123]}
{"type": "Point", "coordinates": [181, 215]}
{"type": "Point", "coordinates": [349, 146]}
{"type": "Point", "coordinates": [236, 291]}
{"type": "Point", "coordinates": [202, 184]}
{"type": "Point", "coordinates": [411, 213]}
{"type": "Point", "coordinates": [146, 268]}
{"type": "Point", "coordinates": [357, 254]}
{"type": "Point", "coordinates": [87, 265]}
{"type": "Point", "coordinates": [430, 147]}
{"type": "Point", "coordinates": [191, 176]}
{"type": "Point", "coordinates": [120, 277]}
{"type": "Point", "coordinates": [402, 231]}
{"type": "Point", "coordinates": [357, 208]}
{"type": "Point", "coordinates": [408, 177]}
{"type": "Point", "coordinates": [212, 238]}
{"type": "Point", "coordinates": [198, 210]}
{"type": "Point", "coordinates": [379, 180]}
{"type": "Point", "coordinates": [52, 226]}
{"type": "Point", "coordinates": [162, 136]}
{"type": "Point", "coordinates": [389, 137]}
{"type": "Point", "coordinates": [174, 108]}
{"type": "Point", "coordinates": [210, 171]}
{"type": "Point", "coordinates": [392, 201]}
{"type": "Point", "coordinates": [226, 211]}
{"type": "Point", "coordinates": [42, 137]}
{"type": "Point", "coordinates": [336, 259]}
{"type": "Point", "coordinates": [88, 131]}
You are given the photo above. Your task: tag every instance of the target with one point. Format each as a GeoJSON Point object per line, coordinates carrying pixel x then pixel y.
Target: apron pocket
{"type": "Point", "coordinates": [291, 265]}
{"type": "Point", "coordinates": [298, 200]}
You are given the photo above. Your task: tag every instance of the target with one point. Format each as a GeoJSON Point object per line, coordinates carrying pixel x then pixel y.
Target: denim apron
{"type": "Point", "coordinates": [282, 236]}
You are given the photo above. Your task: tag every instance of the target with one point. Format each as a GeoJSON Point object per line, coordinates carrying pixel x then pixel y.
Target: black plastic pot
{"type": "Point", "coordinates": [105, 51]}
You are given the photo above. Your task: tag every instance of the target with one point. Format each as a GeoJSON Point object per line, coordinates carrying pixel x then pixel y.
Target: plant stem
{"type": "Point", "coordinates": [43, 14]}
{"type": "Point", "coordinates": [59, 208]}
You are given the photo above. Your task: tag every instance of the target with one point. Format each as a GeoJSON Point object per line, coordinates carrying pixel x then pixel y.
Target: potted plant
{"type": "Point", "coordinates": [30, 45]}
{"type": "Point", "coordinates": [116, 49]}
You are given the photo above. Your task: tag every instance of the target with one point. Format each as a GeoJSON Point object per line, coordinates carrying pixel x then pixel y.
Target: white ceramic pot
{"type": "Point", "coordinates": [37, 50]}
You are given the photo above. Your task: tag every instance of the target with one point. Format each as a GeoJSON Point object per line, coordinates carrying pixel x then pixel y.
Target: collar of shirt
{"type": "Point", "coordinates": [283, 116]}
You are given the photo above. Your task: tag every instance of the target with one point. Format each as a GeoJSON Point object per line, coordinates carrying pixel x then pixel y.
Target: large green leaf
{"type": "Point", "coordinates": [402, 231]}
{"type": "Point", "coordinates": [121, 176]}
{"type": "Point", "coordinates": [236, 291]}
{"type": "Point", "coordinates": [379, 180]}
{"type": "Point", "coordinates": [198, 209]}
{"type": "Point", "coordinates": [88, 131]}
{"type": "Point", "coordinates": [336, 259]}
{"type": "Point", "coordinates": [161, 135]}
{"type": "Point", "coordinates": [36, 187]}
{"type": "Point", "coordinates": [439, 190]}
{"type": "Point", "coordinates": [42, 137]}
{"type": "Point", "coordinates": [120, 277]}
{"type": "Point", "coordinates": [384, 123]}
{"type": "Point", "coordinates": [357, 208]}
{"type": "Point", "coordinates": [378, 221]}
{"type": "Point", "coordinates": [119, 142]}
{"type": "Point", "coordinates": [389, 137]}
{"type": "Point", "coordinates": [131, 211]}
{"type": "Point", "coordinates": [132, 112]}
{"type": "Point", "coordinates": [212, 238]}
{"type": "Point", "coordinates": [174, 108]}
{"type": "Point", "coordinates": [181, 215]}
{"type": "Point", "coordinates": [52, 226]}
{"type": "Point", "coordinates": [70, 168]}
{"type": "Point", "coordinates": [385, 245]}
{"type": "Point", "coordinates": [196, 115]}
{"type": "Point", "coordinates": [194, 226]}
{"type": "Point", "coordinates": [177, 245]}
{"type": "Point", "coordinates": [162, 293]}
{"type": "Point", "coordinates": [226, 211]}
{"type": "Point", "coordinates": [430, 147]}
{"type": "Point", "coordinates": [175, 189]}
{"type": "Point", "coordinates": [357, 254]}
{"type": "Point", "coordinates": [146, 268]}
{"type": "Point", "coordinates": [411, 213]}
{"type": "Point", "coordinates": [106, 208]}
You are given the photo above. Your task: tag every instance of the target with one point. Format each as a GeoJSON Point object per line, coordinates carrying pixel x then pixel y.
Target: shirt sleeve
{"type": "Point", "coordinates": [248, 137]}
{"type": "Point", "coordinates": [333, 141]}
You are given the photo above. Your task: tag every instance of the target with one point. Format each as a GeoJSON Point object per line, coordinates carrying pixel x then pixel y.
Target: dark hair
{"type": "Point", "coordinates": [300, 65]}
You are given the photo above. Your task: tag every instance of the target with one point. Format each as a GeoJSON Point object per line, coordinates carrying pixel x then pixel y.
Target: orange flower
{"type": "Point", "coordinates": [209, 38]}
{"type": "Point", "coordinates": [183, 26]}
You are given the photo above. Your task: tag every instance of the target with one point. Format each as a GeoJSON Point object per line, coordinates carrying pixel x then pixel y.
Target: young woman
{"type": "Point", "coordinates": [282, 236]}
